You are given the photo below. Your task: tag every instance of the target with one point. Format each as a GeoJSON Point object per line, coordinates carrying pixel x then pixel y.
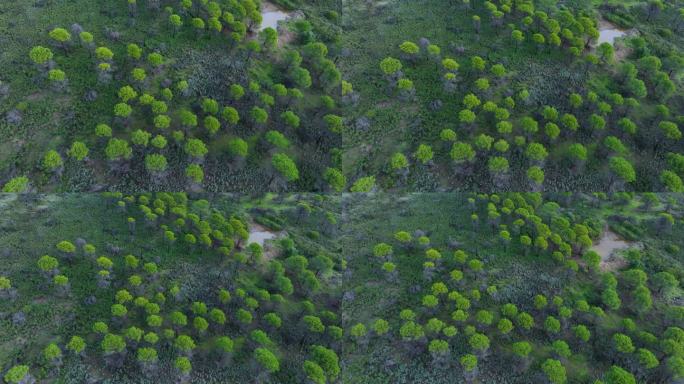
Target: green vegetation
{"type": "Point", "coordinates": [508, 288]}
{"type": "Point", "coordinates": [96, 95]}
{"type": "Point", "coordinates": [514, 95]}
{"type": "Point", "coordinates": [355, 288]}
{"type": "Point", "coordinates": [479, 95]}
{"type": "Point", "coordinates": [342, 191]}
{"type": "Point", "coordinates": [214, 309]}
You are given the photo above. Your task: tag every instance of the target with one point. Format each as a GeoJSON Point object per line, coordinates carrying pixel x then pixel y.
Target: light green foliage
{"type": "Point", "coordinates": [155, 162]}
{"type": "Point", "coordinates": [647, 359]}
{"type": "Point", "coordinates": [60, 35]}
{"type": "Point", "coordinates": [462, 152]}
{"type": "Point", "coordinates": [104, 53]}
{"type": "Point", "coordinates": [521, 348]}
{"type": "Point", "coordinates": [671, 181]}
{"type": "Point", "coordinates": [183, 364]}
{"type": "Point", "coordinates": [212, 125]}
{"type": "Point", "coordinates": [554, 371]}
{"type": "Point", "coordinates": [56, 75]}
{"type": "Point", "coordinates": [52, 352]}
{"type": "Point", "coordinates": [535, 174]}
{"type": "Point", "coordinates": [40, 55]}
{"type": "Point", "coordinates": [184, 343]}
{"type": "Point", "coordinates": [103, 130]}
{"type": "Point", "coordinates": [122, 110]}
{"type": "Point", "coordinates": [479, 342]}
{"type": "Point", "coordinates": [468, 362]}
{"type": "Point", "coordinates": [78, 151]}
{"type": "Point", "coordinates": [118, 149]}
{"type": "Point", "coordinates": [113, 343]}
{"type": "Point", "coordinates": [17, 184]}
{"type": "Point", "coordinates": [52, 160]}
{"type": "Point", "coordinates": [267, 360]}
{"type": "Point", "coordinates": [196, 148]}
{"type": "Point", "coordinates": [140, 137]}
{"type": "Point", "coordinates": [390, 65]}
{"type": "Point", "coordinates": [335, 179]}
{"type": "Point", "coordinates": [66, 246]}
{"type": "Point", "coordinates": [17, 374]}
{"type": "Point", "coordinates": [617, 375]}
{"type": "Point", "coordinates": [552, 325]}
{"type": "Point", "coordinates": [398, 161]}
{"type": "Point", "coordinates": [581, 332]}
{"type": "Point", "coordinates": [195, 173]}
{"type": "Point", "coordinates": [358, 330]}
{"type": "Point", "coordinates": [623, 343]}
{"type": "Point", "coordinates": [277, 139]}
{"type": "Point", "coordinates": [561, 348]}
{"type": "Point", "coordinates": [409, 47]}
{"type": "Point", "coordinates": [290, 119]}
{"type": "Point", "coordinates": [622, 169]}
{"type": "Point", "coordinates": [147, 355]}
{"type": "Point", "coordinates": [498, 164]}
{"type": "Point", "coordinates": [285, 166]}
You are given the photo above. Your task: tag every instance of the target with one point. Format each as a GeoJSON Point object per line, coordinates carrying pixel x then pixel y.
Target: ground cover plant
{"type": "Point", "coordinates": [513, 288]}
{"type": "Point", "coordinates": [169, 95]}
{"type": "Point", "coordinates": [514, 95]}
{"type": "Point", "coordinates": [166, 288]}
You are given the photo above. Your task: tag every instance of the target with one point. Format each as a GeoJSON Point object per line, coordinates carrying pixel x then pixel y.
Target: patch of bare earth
{"type": "Point", "coordinates": [266, 238]}
{"type": "Point", "coordinates": [609, 247]}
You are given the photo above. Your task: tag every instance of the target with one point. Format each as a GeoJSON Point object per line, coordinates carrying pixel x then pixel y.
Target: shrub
{"type": "Point", "coordinates": [17, 184]}
{"type": "Point", "coordinates": [554, 371]}
{"type": "Point", "coordinates": [118, 149]}
{"type": "Point", "coordinates": [17, 374]}
{"type": "Point", "coordinates": [52, 160]}
{"type": "Point", "coordinates": [78, 150]}
{"type": "Point", "coordinates": [285, 166]}
{"type": "Point", "coordinates": [40, 55]}
{"type": "Point", "coordinates": [267, 360]}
